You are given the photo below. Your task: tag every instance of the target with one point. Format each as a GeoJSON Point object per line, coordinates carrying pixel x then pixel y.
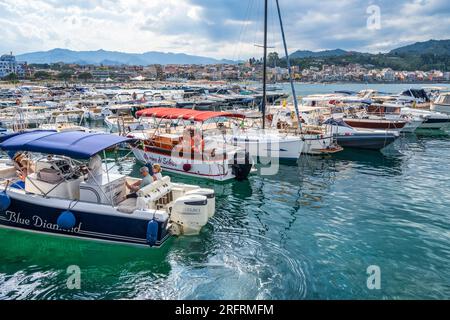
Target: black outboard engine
{"type": "Point", "coordinates": [241, 165]}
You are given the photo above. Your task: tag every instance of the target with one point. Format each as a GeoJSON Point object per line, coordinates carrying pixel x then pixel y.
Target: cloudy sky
{"type": "Point", "coordinates": [218, 28]}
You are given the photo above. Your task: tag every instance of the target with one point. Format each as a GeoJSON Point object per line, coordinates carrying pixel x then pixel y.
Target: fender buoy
{"type": "Point", "coordinates": [5, 201]}
{"type": "Point", "coordinates": [152, 232]}
{"type": "Point", "coordinates": [66, 220]}
{"type": "Point", "coordinates": [187, 167]}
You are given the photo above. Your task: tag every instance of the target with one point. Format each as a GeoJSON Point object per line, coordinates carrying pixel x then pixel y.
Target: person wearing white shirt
{"type": "Point", "coordinates": [157, 175]}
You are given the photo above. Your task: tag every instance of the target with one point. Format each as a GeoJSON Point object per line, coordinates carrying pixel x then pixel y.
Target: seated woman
{"type": "Point", "coordinates": [23, 165]}
{"type": "Point", "coordinates": [157, 172]}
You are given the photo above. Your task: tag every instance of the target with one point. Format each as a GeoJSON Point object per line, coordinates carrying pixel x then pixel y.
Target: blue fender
{"type": "Point", "coordinates": [66, 220]}
{"type": "Point", "coordinates": [152, 232]}
{"type": "Point", "coordinates": [5, 201]}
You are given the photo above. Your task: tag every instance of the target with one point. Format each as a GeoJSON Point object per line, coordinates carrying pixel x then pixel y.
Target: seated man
{"type": "Point", "coordinates": [146, 180]}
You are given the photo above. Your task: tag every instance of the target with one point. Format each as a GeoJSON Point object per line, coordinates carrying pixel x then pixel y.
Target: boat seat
{"type": "Point", "coordinates": [128, 205]}
{"type": "Point", "coordinates": [50, 175]}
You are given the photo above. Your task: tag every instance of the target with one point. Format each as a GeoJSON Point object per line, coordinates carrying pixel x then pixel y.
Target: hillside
{"type": "Point", "coordinates": [439, 47]}
{"type": "Point", "coordinates": [311, 54]}
{"type": "Point", "coordinates": [425, 56]}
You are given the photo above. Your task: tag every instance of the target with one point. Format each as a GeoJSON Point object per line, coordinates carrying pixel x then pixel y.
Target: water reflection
{"type": "Point", "coordinates": [372, 162]}
{"type": "Point", "coordinates": [42, 262]}
{"type": "Point", "coordinates": [310, 231]}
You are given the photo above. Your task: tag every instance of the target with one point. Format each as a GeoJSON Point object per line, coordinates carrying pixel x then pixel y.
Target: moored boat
{"type": "Point", "coordinates": [349, 137]}
{"type": "Point", "coordinates": [377, 124]}
{"type": "Point", "coordinates": [69, 193]}
{"type": "Point", "coordinates": [442, 103]}
{"type": "Point", "coordinates": [178, 141]}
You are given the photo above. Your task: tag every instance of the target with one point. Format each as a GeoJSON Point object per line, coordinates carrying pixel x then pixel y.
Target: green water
{"type": "Point", "coordinates": [310, 232]}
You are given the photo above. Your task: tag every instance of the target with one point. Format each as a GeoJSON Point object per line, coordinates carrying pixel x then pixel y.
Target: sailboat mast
{"type": "Point", "coordinates": [264, 98]}
{"type": "Point", "coordinates": [288, 62]}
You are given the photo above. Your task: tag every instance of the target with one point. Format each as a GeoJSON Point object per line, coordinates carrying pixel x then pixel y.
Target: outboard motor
{"type": "Point", "coordinates": [190, 213]}
{"type": "Point", "coordinates": [210, 196]}
{"type": "Point", "coordinates": [241, 166]}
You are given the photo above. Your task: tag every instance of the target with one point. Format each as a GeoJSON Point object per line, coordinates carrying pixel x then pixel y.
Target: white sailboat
{"type": "Point", "coordinates": [266, 143]}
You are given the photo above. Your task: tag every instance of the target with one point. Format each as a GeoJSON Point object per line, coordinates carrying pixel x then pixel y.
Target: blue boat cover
{"type": "Point", "coordinates": [74, 144]}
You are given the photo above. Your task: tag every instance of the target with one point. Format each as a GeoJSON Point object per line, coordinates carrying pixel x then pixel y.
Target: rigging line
{"type": "Point", "coordinates": [288, 64]}
{"type": "Point", "coordinates": [272, 28]}
{"type": "Point", "coordinates": [258, 17]}
{"type": "Point", "coordinates": [237, 48]}
{"type": "Point", "coordinates": [249, 25]}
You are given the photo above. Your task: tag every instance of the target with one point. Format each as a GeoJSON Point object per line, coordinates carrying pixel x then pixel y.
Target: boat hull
{"type": "Point", "coordinates": [435, 124]}
{"type": "Point", "coordinates": [213, 170]}
{"type": "Point", "coordinates": [365, 141]}
{"type": "Point", "coordinates": [376, 124]}
{"type": "Point", "coordinates": [443, 108]}
{"type": "Point", "coordinates": [264, 147]}
{"type": "Point", "coordinates": [34, 216]}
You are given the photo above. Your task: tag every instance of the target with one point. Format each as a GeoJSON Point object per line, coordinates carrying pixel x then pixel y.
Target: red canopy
{"type": "Point", "coordinates": [186, 114]}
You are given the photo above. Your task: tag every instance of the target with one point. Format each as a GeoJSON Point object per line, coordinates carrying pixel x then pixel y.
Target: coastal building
{"type": "Point", "coordinates": [101, 74]}
{"type": "Point", "coordinates": [447, 76]}
{"type": "Point", "coordinates": [388, 74]}
{"type": "Point", "coordinates": [9, 64]}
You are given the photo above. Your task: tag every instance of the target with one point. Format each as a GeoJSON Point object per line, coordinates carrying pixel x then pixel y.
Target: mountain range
{"type": "Point", "coordinates": [431, 47]}
{"type": "Point", "coordinates": [115, 58]}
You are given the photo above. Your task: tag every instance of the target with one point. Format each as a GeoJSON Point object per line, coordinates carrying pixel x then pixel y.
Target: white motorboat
{"type": "Point", "coordinates": [349, 137]}
{"type": "Point", "coordinates": [267, 143]}
{"type": "Point", "coordinates": [71, 194]}
{"type": "Point", "coordinates": [431, 120]}
{"type": "Point", "coordinates": [442, 103]}
{"type": "Point", "coordinates": [316, 138]}
{"type": "Point", "coordinates": [122, 120]}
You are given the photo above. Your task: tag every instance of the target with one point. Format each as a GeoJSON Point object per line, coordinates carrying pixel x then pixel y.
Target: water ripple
{"type": "Point", "coordinates": [308, 232]}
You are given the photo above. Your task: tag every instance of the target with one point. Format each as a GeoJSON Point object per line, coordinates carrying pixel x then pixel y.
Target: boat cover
{"type": "Point", "coordinates": [186, 114]}
{"type": "Point", "coordinates": [74, 144]}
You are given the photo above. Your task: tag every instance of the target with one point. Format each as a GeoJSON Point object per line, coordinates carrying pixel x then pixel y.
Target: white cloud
{"type": "Point", "coordinates": [221, 28]}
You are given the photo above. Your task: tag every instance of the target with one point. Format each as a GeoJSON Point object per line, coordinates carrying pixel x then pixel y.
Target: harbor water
{"type": "Point", "coordinates": [309, 232]}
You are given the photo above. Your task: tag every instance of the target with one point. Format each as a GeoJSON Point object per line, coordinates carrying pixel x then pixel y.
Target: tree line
{"type": "Point", "coordinates": [404, 61]}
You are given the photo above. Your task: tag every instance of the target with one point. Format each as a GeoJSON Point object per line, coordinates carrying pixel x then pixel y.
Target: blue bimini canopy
{"type": "Point", "coordinates": [74, 144]}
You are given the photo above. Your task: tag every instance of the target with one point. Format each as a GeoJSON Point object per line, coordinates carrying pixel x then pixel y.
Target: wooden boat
{"type": "Point", "coordinates": [378, 124]}
{"type": "Point", "coordinates": [181, 147]}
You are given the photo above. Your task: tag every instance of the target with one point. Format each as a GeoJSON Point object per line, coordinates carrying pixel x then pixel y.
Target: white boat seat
{"type": "Point", "coordinates": [128, 205]}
